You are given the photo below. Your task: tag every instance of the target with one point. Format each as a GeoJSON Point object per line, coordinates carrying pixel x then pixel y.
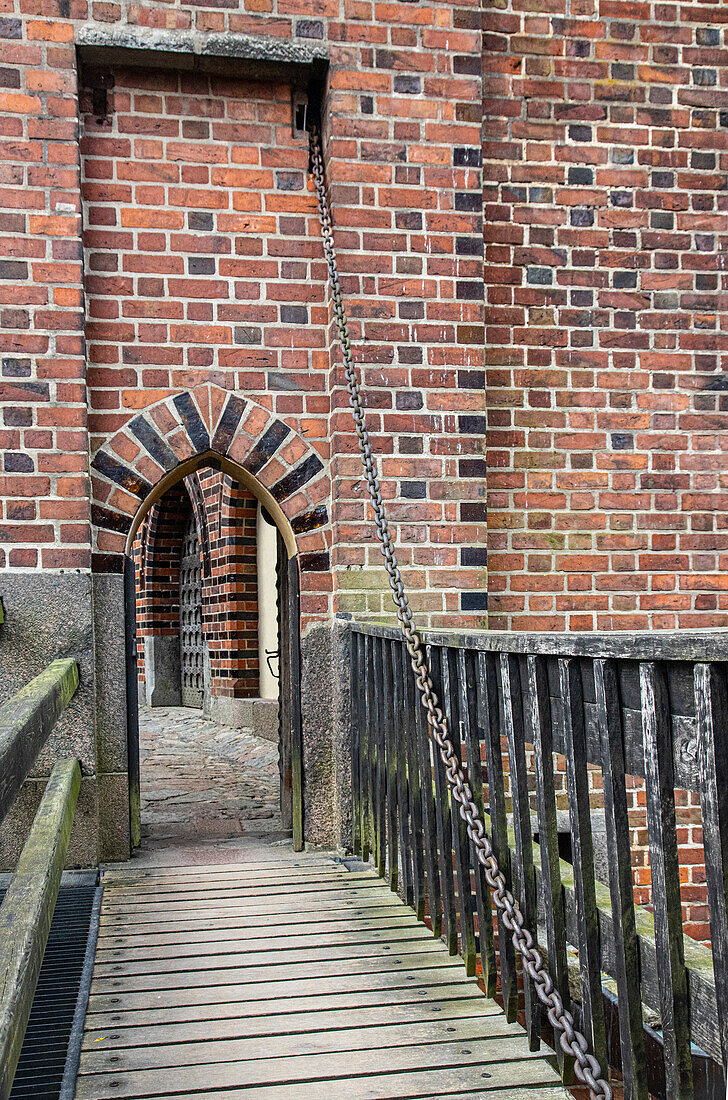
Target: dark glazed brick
{"type": "Point", "coordinates": [407, 85]}
{"type": "Point", "coordinates": [13, 269]}
{"type": "Point", "coordinates": [201, 265]}
{"type": "Point", "coordinates": [581, 175]}
{"type": "Point", "coordinates": [467, 65]}
{"type": "Point", "coordinates": [581, 216]}
{"type": "Point", "coordinates": [310, 521]}
{"type": "Point", "coordinates": [471, 424]}
{"type": "Point", "coordinates": [467, 157]}
{"type": "Point", "coordinates": [468, 201]}
{"type": "Point", "coordinates": [413, 490]}
{"type": "Point", "coordinates": [297, 478]}
{"type": "Point", "coordinates": [197, 219]}
{"type": "Point", "coordinates": [116, 471]}
{"type": "Point", "coordinates": [9, 78]}
{"type": "Point", "coordinates": [267, 446]}
{"type": "Point", "coordinates": [16, 368]}
{"type": "Point", "coordinates": [153, 443]}
{"type": "Point", "coordinates": [193, 422]}
{"type": "Point", "coordinates": [624, 280]}
{"type": "Point", "coordinates": [294, 315]}
{"type": "Point", "coordinates": [309, 28]}
{"type": "Point", "coordinates": [473, 512]}
{"type": "Point", "coordinates": [318, 562]}
{"type": "Point", "coordinates": [110, 521]}
{"type": "Point", "coordinates": [228, 424]}
{"type": "Point", "coordinates": [706, 78]}
{"type": "Point", "coordinates": [542, 276]}
{"type": "Point", "coordinates": [471, 379]}
{"type": "Point", "coordinates": [16, 463]}
{"type": "Point", "coordinates": [408, 400]}
{"type": "Point", "coordinates": [622, 441]}
{"type": "Point", "coordinates": [473, 467]}
{"type": "Point", "coordinates": [469, 246]}
{"type": "Point", "coordinates": [10, 28]}
{"type": "Point", "coordinates": [580, 133]}
{"type": "Point", "coordinates": [473, 556]}
{"type": "Point", "coordinates": [474, 601]}
{"type": "Point", "coordinates": [469, 291]}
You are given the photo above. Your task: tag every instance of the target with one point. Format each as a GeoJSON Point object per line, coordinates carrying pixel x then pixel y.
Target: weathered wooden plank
{"type": "Point", "coordinates": [404, 836]}
{"type": "Point", "coordinates": [427, 1083]}
{"type": "Point", "coordinates": [626, 944]}
{"type": "Point", "coordinates": [417, 832]}
{"type": "Point", "coordinates": [26, 721]}
{"type": "Point", "coordinates": [443, 823]}
{"type": "Point", "coordinates": [522, 866]}
{"type": "Point", "coordinates": [538, 731]}
{"type": "Point", "coordinates": [711, 703]}
{"type": "Point", "coordinates": [350, 885]}
{"type": "Point", "coordinates": [286, 864]}
{"type": "Point", "coordinates": [333, 872]}
{"type": "Point", "coordinates": [280, 1011]}
{"type": "Point", "coordinates": [501, 1058]}
{"type": "Point", "coordinates": [472, 737]}
{"type": "Point", "coordinates": [370, 753]}
{"type": "Point", "coordinates": [489, 722]}
{"type": "Point", "coordinates": [460, 840]}
{"type": "Point", "coordinates": [166, 948]}
{"type": "Point", "coordinates": [380, 761]}
{"type": "Point", "coordinates": [664, 865]}
{"type": "Point", "coordinates": [196, 924]}
{"type": "Point", "coordinates": [264, 1040]}
{"type": "Point", "coordinates": [356, 721]}
{"type": "Point", "coordinates": [437, 975]}
{"type": "Point", "coordinates": [332, 968]}
{"type": "Point", "coordinates": [577, 780]}
{"type": "Point", "coordinates": [389, 750]}
{"type": "Point", "coordinates": [27, 911]}
{"type": "Point", "coordinates": [304, 907]}
{"type": "Point", "coordinates": [423, 753]}
{"type": "Point", "coordinates": [212, 934]}
{"type": "Point", "coordinates": [255, 954]}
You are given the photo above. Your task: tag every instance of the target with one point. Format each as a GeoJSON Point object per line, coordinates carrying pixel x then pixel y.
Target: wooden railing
{"type": "Point", "coordinates": [26, 912]}
{"type": "Point", "coordinates": [578, 749]}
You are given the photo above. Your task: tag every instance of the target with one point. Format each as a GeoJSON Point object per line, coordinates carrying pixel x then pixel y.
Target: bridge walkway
{"type": "Point", "coordinates": [286, 975]}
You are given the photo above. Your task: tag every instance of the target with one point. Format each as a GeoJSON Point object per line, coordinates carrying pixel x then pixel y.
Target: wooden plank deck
{"type": "Point", "coordinates": [287, 976]}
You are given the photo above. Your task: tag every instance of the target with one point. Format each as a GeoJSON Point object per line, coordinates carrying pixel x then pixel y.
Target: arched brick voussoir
{"type": "Point", "coordinates": [208, 419]}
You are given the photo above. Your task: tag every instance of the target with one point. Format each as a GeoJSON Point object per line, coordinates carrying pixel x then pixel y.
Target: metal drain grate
{"type": "Point", "coordinates": [46, 1047]}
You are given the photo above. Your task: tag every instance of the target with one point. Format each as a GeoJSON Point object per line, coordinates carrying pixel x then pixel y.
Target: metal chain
{"type": "Point", "coordinates": [572, 1041]}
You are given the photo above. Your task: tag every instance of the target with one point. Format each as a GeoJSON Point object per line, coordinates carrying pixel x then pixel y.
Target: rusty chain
{"type": "Point", "coordinates": [572, 1041]}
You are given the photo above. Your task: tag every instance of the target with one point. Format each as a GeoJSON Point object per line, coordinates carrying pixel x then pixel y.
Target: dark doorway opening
{"type": "Point", "coordinates": [213, 646]}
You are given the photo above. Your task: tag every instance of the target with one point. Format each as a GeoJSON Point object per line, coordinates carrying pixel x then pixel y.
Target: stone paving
{"type": "Point", "coordinates": [203, 781]}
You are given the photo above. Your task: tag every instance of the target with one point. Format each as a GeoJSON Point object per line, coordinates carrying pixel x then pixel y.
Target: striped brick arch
{"type": "Point", "coordinates": [209, 421]}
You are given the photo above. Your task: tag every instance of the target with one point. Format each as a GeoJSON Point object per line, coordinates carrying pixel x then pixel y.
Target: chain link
{"type": "Point", "coordinates": [572, 1041]}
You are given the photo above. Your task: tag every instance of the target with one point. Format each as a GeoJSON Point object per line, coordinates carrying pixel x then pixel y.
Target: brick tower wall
{"type": "Point", "coordinates": [605, 158]}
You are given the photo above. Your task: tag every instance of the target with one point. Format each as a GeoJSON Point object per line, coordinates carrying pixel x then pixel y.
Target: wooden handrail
{"type": "Point", "coordinates": [27, 911]}
{"type": "Point", "coordinates": [26, 721]}
{"type": "Point", "coordinates": [526, 711]}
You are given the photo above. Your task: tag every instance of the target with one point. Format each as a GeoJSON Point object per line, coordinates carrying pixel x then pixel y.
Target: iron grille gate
{"type": "Point", "coordinates": [190, 618]}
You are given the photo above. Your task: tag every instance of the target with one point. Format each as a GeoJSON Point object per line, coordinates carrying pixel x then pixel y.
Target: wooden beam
{"type": "Point", "coordinates": [27, 911]}
{"type": "Point", "coordinates": [26, 721]}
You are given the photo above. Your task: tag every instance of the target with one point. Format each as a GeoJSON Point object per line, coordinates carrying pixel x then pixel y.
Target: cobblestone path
{"type": "Point", "coordinates": [204, 781]}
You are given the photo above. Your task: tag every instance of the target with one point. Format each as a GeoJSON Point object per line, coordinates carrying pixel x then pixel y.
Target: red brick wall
{"type": "Point", "coordinates": [157, 555]}
{"type": "Point", "coordinates": [230, 590]}
{"type": "Point", "coordinates": [236, 296]}
{"type": "Point", "coordinates": [605, 168]}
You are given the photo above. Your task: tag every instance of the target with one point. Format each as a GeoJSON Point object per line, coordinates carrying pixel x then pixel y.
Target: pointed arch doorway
{"type": "Point", "coordinates": [194, 663]}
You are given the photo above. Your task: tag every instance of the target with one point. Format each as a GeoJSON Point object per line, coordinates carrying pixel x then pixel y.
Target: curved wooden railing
{"type": "Point", "coordinates": [578, 749]}
{"type": "Point", "coordinates": [26, 722]}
